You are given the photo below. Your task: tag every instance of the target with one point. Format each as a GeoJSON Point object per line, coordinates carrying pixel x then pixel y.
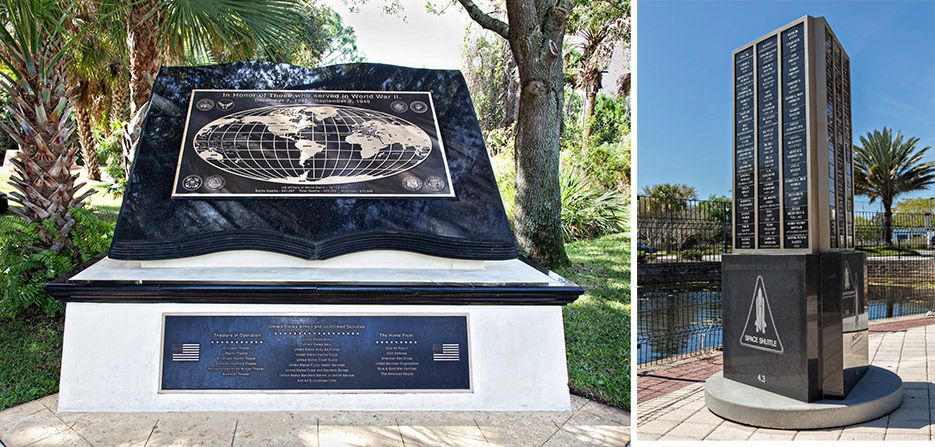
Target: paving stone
{"type": "Point", "coordinates": [919, 435]}
{"type": "Point", "coordinates": [112, 429]}
{"type": "Point", "coordinates": [202, 429]}
{"type": "Point", "coordinates": [31, 427]}
{"type": "Point", "coordinates": [589, 436]}
{"type": "Point", "coordinates": [679, 414]}
{"type": "Point", "coordinates": [13, 414]}
{"type": "Point", "coordinates": [607, 412]}
{"type": "Point", "coordinates": [904, 415]}
{"type": "Point", "coordinates": [730, 431]}
{"type": "Point", "coordinates": [705, 416]}
{"type": "Point", "coordinates": [866, 434]}
{"type": "Point", "coordinates": [277, 429]}
{"type": "Point", "coordinates": [67, 438]}
{"type": "Point", "coordinates": [689, 431]}
{"type": "Point", "coordinates": [768, 434]}
{"type": "Point", "coordinates": [818, 435]}
{"type": "Point", "coordinates": [656, 427]}
{"type": "Point", "coordinates": [440, 429]}
{"type": "Point", "coordinates": [577, 402]}
{"type": "Point", "coordinates": [916, 398]}
{"type": "Point", "coordinates": [358, 429]}
{"type": "Point", "coordinates": [50, 402]}
{"type": "Point", "coordinates": [508, 429]}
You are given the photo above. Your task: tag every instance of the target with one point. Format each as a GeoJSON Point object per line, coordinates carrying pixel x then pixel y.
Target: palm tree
{"type": "Point", "coordinates": [599, 26]}
{"type": "Point", "coordinates": [96, 62]}
{"type": "Point", "coordinates": [31, 41]}
{"type": "Point", "coordinates": [886, 166]}
{"type": "Point", "coordinates": [160, 30]}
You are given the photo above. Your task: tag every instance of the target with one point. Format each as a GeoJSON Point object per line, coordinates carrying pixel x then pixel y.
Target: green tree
{"type": "Point", "coordinates": [165, 30]}
{"type": "Point", "coordinates": [535, 30]}
{"type": "Point", "coordinates": [669, 198]}
{"type": "Point", "coordinates": [599, 26]}
{"type": "Point", "coordinates": [914, 205]}
{"type": "Point", "coordinates": [490, 73]}
{"type": "Point", "coordinates": [886, 166]}
{"type": "Point", "coordinates": [32, 40]}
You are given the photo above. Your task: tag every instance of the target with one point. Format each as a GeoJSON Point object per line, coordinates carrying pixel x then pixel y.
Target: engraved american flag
{"type": "Point", "coordinates": [186, 352]}
{"type": "Point", "coordinates": [446, 352]}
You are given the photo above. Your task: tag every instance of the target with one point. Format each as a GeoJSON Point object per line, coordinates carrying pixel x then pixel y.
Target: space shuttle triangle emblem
{"type": "Point", "coordinates": [760, 331]}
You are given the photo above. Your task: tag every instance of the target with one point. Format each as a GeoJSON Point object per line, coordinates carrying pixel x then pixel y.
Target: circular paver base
{"type": "Point", "coordinates": [877, 394]}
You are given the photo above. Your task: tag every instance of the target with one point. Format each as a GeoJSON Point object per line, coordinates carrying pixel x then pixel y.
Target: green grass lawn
{"type": "Point", "coordinates": [30, 358]}
{"type": "Point", "coordinates": [597, 325]}
{"type": "Point", "coordinates": [31, 346]}
{"type": "Point", "coordinates": [883, 250]}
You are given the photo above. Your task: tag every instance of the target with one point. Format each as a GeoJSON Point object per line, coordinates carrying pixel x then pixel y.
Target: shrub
{"type": "Point", "coordinates": [500, 141]}
{"type": "Point", "coordinates": [608, 164]}
{"type": "Point", "coordinates": [691, 255]}
{"type": "Point", "coordinates": [504, 169]}
{"type": "Point", "coordinates": [642, 256]}
{"type": "Point", "coordinates": [110, 153]}
{"type": "Point", "coordinates": [586, 209]}
{"type": "Point", "coordinates": [25, 271]}
{"type": "Point", "coordinates": [611, 120]}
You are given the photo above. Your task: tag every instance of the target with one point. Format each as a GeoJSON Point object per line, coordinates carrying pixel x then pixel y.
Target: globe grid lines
{"type": "Point", "coordinates": [244, 147]}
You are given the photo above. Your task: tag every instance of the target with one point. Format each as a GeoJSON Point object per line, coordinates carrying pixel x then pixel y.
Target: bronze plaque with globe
{"type": "Point", "coordinates": [242, 143]}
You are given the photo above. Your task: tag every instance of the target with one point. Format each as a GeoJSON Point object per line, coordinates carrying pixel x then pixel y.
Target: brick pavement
{"type": "Point", "coordinates": [660, 381]}
{"type": "Point", "coordinates": [904, 348]}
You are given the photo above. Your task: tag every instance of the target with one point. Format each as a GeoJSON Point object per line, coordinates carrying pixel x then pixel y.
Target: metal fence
{"type": "Point", "coordinates": [682, 230]}
{"type": "Point", "coordinates": [680, 243]}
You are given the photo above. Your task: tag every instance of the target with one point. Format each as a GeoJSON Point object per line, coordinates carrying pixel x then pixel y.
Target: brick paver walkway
{"type": "Point", "coordinates": [904, 347]}
{"type": "Point", "coordinates": [661, 381]}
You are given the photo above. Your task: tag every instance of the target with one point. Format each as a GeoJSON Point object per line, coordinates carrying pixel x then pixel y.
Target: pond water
{"type": "Point", "coordinates": [676, 322]}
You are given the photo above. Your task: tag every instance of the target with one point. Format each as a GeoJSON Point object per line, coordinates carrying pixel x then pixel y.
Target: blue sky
{"type": "Point", "coordinates": [684, 78]}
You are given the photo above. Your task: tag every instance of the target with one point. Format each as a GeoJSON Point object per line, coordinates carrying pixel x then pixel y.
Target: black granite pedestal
{"type": "Point", "coordinates": [795, 325]}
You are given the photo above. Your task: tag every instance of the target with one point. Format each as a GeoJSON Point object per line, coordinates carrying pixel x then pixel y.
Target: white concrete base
{"type": "Point", "coordinates": [111, 361]}
{"type": "Point", "coordinates": [876, 394]}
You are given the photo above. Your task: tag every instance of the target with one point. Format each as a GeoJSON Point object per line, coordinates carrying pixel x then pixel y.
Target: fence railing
{"type": "Point", "coordinates": [682, 230]}
{"type": "Point", "coordinates": [680, 244]}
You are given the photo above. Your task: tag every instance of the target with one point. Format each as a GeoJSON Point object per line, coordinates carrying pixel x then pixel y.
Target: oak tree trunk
{"type": "Point", "coordinates": [536, 30]}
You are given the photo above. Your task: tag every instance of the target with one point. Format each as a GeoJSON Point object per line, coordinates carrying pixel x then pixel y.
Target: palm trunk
{"type": "Point", "coordinates": [120, 102]}
{"type": "Point", "coordinates": [143, 44]}
{"type": "Point", "coordinates": [86, 137]}
{"type": "Point", "coordinates": [888, 222]}
{"type": "Point", "coordinates": [590, 101]}
{"type": "Point", "coordinates": [45, 187]}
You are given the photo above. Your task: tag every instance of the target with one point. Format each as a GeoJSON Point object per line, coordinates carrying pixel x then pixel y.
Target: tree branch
{"type": "Point", "coordinates": [485, 20]}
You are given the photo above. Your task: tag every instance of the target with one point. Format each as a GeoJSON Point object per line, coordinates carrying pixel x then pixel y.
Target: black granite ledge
{"type": "Point", "coordinates": [71, 292]}
{"type": "Point", "coordinates": [67, 290]}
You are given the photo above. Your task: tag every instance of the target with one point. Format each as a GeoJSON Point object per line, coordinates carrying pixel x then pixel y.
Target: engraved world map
{"type": "Point", "coordinates": [311, 143]}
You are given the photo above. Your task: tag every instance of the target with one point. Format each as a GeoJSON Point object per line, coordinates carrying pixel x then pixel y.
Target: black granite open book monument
{"type": "Point", "coordinates": [795, 306]}
{"type": "Point", "coordinates": [311, 163]}
{"type": "Point", "coordinates": [295, 238]}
